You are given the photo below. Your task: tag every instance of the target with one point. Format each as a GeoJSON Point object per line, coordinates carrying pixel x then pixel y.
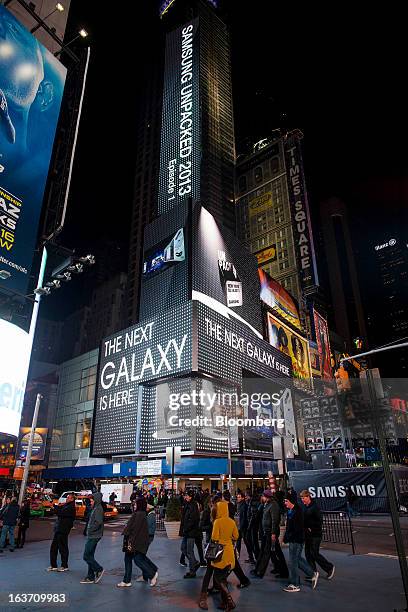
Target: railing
{"type": "Point", "coordinates": [337, 529]}
{"type": "Point", "coordinates": [159, 518]}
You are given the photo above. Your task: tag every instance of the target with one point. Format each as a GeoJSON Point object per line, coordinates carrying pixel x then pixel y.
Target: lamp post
{"type": "Point", "coordinates": [58, 7]}
{"type": "Point", "coordinates": [81, 34]}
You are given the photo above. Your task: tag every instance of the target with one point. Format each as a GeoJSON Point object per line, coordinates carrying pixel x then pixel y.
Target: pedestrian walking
{"type": "Point", "coordinates": [189, 530]}
{"type": "Point", "coordinates": [94, 533]}
{"type": "Point", "coordinates": [351, 499]}
{"type": "Point", "coordinates": [313, 524]}
{"type": "Point", "coordinates": [254, 522]}
{"type": "Point", "coordinates": [135, 545]}
{"type": "Point", "coordinates": [294, 536]}
{"type": "Point", "coordinates": [225, 532]}
{"type": "Point", "coordinates": [23, 523]}
{"type": "Point", "coordinates": [112, 498]}
{"type": "Point", "coordinates": [88, 510]}
{"type": "Point", "coordinates": [9, 516]}
{"type": "Point", "coordinates": [65, 521]}
{"type": "Point", "coordinates": [270, 549]}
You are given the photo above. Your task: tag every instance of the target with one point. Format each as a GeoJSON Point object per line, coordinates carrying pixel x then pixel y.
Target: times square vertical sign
{"type": "Point", "coordinates": [180, 134]}
{"type": "Point", "coordinates": [302, 227]}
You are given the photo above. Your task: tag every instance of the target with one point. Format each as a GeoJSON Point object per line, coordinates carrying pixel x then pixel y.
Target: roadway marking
{"type": "Point", "coordinates": [372, 554]}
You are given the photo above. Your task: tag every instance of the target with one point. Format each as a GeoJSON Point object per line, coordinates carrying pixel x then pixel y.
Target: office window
{"type": "Point", "coordinates": [242, 183]}
{"type": "Point", "coordinates": [258, 174]}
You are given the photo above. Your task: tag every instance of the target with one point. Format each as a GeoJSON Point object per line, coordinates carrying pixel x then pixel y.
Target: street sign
{"type": "Point", "coordinates": [177, 454]}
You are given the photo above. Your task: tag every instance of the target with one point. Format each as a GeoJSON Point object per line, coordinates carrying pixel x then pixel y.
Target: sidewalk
{"type": "Point", "coordinates": [360, 583]}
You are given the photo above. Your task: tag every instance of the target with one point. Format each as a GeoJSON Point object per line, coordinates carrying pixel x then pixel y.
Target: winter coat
{"type": "Point", "coordinates": [313, 520]}
{"type": "Point", "coordinates": [24, 517]}
{"type": "Point", "coordinates": [95, 521]}
{"type": "Point", "coordinates": [271, 517]}
{"type": "Point", "coordinates": [294, 526]}
{"type": "Point", "coordinates": [66, 517]}
{"type": "Point", "coordinates": [242, 515]}
{"type": "Point", "coordinates": [137, 532]}
{"type": "Point", "coordinates": [205, 520]}
{"type": "Point", "coordinates": [224, 531]}
{"type": "Point", "coordinates": [9, 514]}
{"type": "Point", "coordinates": [190, 520]}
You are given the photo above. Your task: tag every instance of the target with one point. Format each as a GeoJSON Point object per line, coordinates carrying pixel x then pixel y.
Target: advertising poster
{"type": "Point", "coordinates": [329, 488]}
{"type": "Point", "coordinates": [14, 361]}
{"type": "Point", "coordinates": [259, 204]}
{"type": "Point", "coordinates": [31, 88]}
{"type": "Point", "coordinates": [277, 298]}
{"type": "Point", "coordinates": [292, 344]}
{"type": "Point", "coordinates": [323, 345]}
{"type": "Point", "coordinates": [267, 255]}
{"type": "Point", "coordinates": [39, 443]}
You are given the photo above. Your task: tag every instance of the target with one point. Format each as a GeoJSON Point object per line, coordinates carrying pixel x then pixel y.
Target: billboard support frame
{"type": "Point", "coordinates": [29, 449]}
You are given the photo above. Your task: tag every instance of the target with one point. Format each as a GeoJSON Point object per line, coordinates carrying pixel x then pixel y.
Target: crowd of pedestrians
{"type": "Point", "coordinates": [255, 521]}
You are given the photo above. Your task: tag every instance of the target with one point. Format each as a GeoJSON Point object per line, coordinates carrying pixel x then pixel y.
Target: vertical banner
{"type": "Point", "coordinates": [31, 88]}
{"type": "Point", "coordinates": [301, 223]}
{"type": "Point", "coordinates": [180, 150]}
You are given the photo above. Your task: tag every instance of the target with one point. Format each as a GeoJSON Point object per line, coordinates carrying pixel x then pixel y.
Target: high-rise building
{"type": "Point", "coordinates": [273, 218]}
{"type": "Point", "coordinates": [197, 138]}
{"type": "Point", "coordinates": [345, 306]}
{"type": "Point", "coordinates": [387, 301]}
{"type": "Point", "coordinates": [191, 123]}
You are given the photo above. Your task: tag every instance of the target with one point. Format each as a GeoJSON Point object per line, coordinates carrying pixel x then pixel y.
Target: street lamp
{"type": "Point", "coordinates": [58, 7]}
{"type": "Point", "coordinates": [399, 541]}
{"type": "Point", "coordinates": [81, 34]}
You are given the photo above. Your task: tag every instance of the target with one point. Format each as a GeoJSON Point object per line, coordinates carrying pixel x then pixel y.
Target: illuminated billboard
{"type": "Point", "coordinates": [292, 344]}
{"type": "Point", "coordinates": [277, 298]}
{"type": "Point", "coordinates": [301, 222]}
{"type": "Point", "coordinates": [259, 204]}
{"type": "Point", "coordinates": [180, 146]}
{"type": "Point", "coordinates": [15, 351]}
{"type": "Point", "coordinates": [267, 255]}
{"type": "Point", "coordinates": [323, 345]}
{"type": "Point", "coordinates": [39, 443]}
{"type": "Point", "coordinates": [31, 88]}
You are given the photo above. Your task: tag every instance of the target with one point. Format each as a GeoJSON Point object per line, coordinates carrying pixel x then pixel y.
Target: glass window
{"type": "Point", "coordinates": [242, 183]}
{"type": "Point", "coordinates": [275, 164]}
{"type": "Point", "coordinates": [83, 433]}
{"type": "Point", "coordinates": [258, 174]}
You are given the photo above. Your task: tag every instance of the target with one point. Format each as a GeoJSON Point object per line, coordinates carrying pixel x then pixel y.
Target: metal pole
{"type": "Point", "coordinates": [29, 449]}
{"type": "Point", "coordinates": [172, 469]}
{"type": "Point", "coordinates": [229, 461]}
{"type": "Point", "coordinates": [390, 487]}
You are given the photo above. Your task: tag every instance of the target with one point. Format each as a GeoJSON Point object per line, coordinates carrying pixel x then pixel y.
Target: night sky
{"type": "Point", "coordinates": [333, 75]}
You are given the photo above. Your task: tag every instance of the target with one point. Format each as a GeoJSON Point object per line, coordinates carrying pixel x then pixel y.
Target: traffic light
{"type": "Point", "coordinates": [342, 380]}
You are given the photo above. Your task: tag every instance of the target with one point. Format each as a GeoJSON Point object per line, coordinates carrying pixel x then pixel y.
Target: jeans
{"type": "Point", "coordinates": [7, 529]}
{"type": "Point", "coordinates": [148, 567]}
{"type": "Point", "coordinates": [187, 548]}
{"type": "Point", "coordinates": [89, 557]}
{"type": "Point", "coordinates": [297, 562]}
{"type": "Point", "coordinates": [199, 543]}
{"type": "Point", "coordinates": [313, 555]}
{"type": "Point", "coordinates": [59, 544]}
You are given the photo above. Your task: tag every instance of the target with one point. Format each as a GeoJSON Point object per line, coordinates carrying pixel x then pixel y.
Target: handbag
{"type": "Point", "coordinates": [127, 546]}
{"type": "Point", "coordinates": [214, 551]}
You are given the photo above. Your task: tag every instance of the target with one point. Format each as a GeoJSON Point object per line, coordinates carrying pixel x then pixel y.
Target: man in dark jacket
{"type": "Point", "coordinates": [59, 544]}
{"type": "Point", "coordinates": [294, 536]}
{"type": "Point", "coordinates": [313, 522]}
{"type": "Point", "coordinates": [270, 539]}
{"type": "Point", "coordinates": [190, 530]}
{"type": "Point", "coordinates": [23, 523]}
{"type": "Point", "coordinates": [242, 510]}
{"type": "Point", "coordinates": [9, 516]}
{"type": "Point", "coordinates": [94, 533]}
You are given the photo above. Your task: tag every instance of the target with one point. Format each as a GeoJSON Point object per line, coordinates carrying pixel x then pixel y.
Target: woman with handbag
{"type": "Point", "coordinates": [225, 532]}
{"type": "Point", "coordinates": [135, 545]}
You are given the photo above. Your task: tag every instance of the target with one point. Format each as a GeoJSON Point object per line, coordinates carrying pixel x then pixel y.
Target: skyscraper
{"type": "Point", "coordinates": [346, 310]}
{"type": "Point", "coordinates": [197, 150]}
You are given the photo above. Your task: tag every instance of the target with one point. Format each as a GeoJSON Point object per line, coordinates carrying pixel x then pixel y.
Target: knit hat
{"type": "Point", "coordinates": [267, 493]}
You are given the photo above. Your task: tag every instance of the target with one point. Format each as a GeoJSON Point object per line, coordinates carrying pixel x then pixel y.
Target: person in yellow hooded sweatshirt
{"type": "Point", "coordinates": [225, 532]}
